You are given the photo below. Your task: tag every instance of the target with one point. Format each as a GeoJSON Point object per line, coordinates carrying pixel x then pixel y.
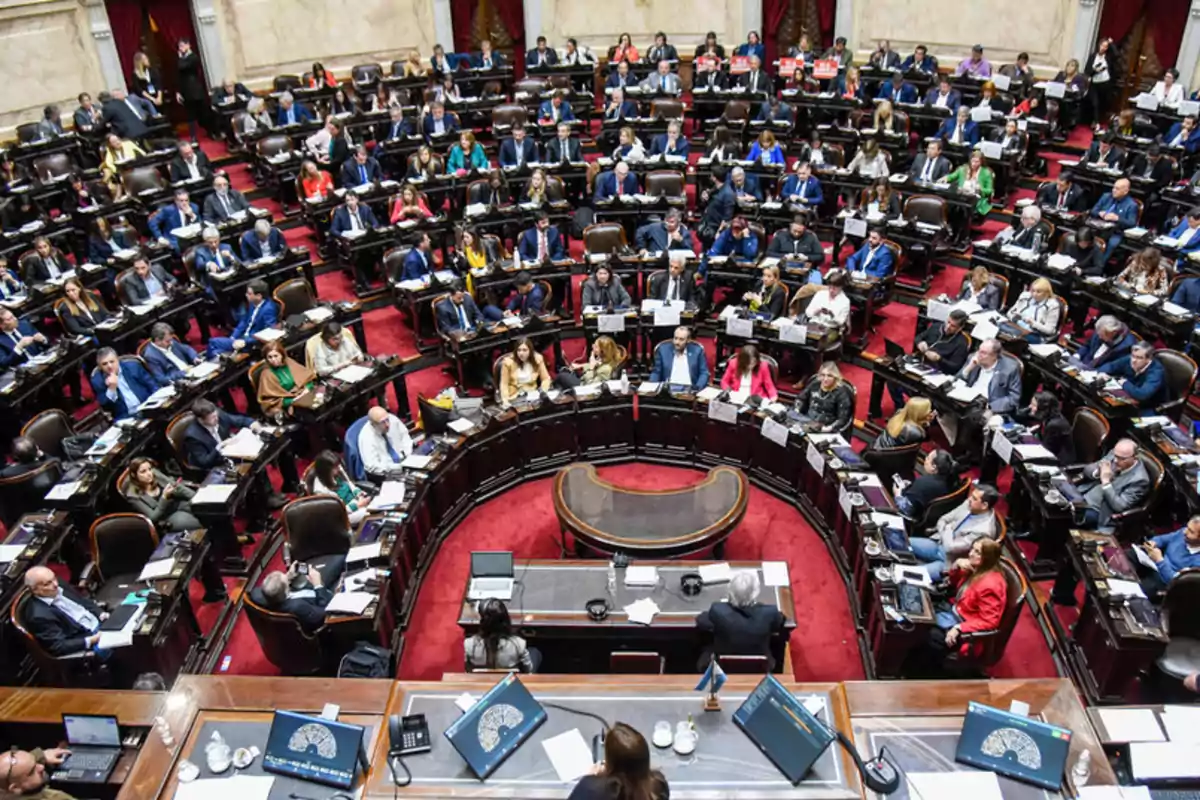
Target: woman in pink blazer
{"type": "Point", "coordinates": [748, 366]}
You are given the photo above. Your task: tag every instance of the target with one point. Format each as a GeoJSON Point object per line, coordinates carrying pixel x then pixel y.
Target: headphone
{"type": "Point", "coordinates": [690, 584]}
{"type": "Point", "coordinates": [597, 609]}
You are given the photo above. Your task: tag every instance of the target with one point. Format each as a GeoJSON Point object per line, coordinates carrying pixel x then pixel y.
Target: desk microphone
{"type": "Point", "coordinates": [879, 774]}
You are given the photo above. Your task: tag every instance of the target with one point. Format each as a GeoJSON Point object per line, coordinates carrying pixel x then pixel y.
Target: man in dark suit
{"type": "Point", "coordinates": [527, 299]}
{"type": "Point", "coordinates": [541, 242]}
{"type": "Point", "coordinates": [661, 50]}
{"type": "Point", "coordinates": [263, 241]}
{"type": "Point", "coordinates": [775, 110]}
{"type": "Point", "coordinates": [677, 284]}
{"type": "Point", "coordinates": [486, 58]}
{"type": "Point", "coordinates": [1151, 166]}
{"type": "Point", "coordinates": [438, 123]}
{"type": "Point", "coordinates": [930, 166]}
{"type": "Point", "coordinates": [541, 56]}
{"type": "Point", "coordinates": [920, 61]}
{"type": "Point", "coordinates": [960, 129]}
{"type": "Point", "coordinates": [671, 143]}
{"type": "Point", "coordinates": [618, 108]}
{"type": "Point", "coordinates": [944, 347]}
{"type": "Point", "coordinates": [1062, 194]}
{"type": "Point", "coordinates": [458, 313]}
{"type": "Point", "coordinates": [146, 283]}
{"type": "Point", "coordinates": [18, 339]}
{"type": "Point", "coordinates": [942, 96]}
{"type": "Point", "coordinates": [1110, 340]}
{"type": "Point", "coordinates": [670, 234]}
{"type": "Point", "coordinates": [555, 110]}
{"type": "Point", "coordinates": [741, 626]}
{"type": "Point", "coordinates": [619, 182]}
{"type": "Point", "coordinates": [47, 262]}
{"type": "Point", "coordinates": [352, 216]}
{"type": "Point", "coordinates": [224, 202]}
{"type": "Point", "coordinates": [231, 91]}
{"type": "Point", "coordinates": [121, 388]}
{"type": "Point", "coordinates": [563, 148]}
{"type": "Point", "coordinates": [213, 257]}
{"type": "Point", "coordinates": [180, 213]}
{"type": "Point", "coordinates": [190, 165]}
{"type": "Point", "coordinates": [306, 603]}
{"type": "Point", "coordinates": [797, 243]}
{"type": "Point", "coordinates": [261, 313]}
{"type": "Point", "coordinates": [167, 358]}
{"type": "Point", "coordinates": [1104, 152]}
{"type": "Point", "coordinates": [291, 112]}
{"type": "Point", "coordinates": [88, 117]}
{"type": "Point", "coordinates": [418, 264]}
{"type": "Point", "coordinates": [209, 427]}
{"type": "Point", "coordinates": [1141, 375]}
{"type": "Point", "coordinates": [743, 185]}
{"type": "Point", "coordinates": [756, 80]}
{"type": "Point", "coordinates": [518, 150]}
{"type": "Point", "coordinates": [360, 170]}
{"type": "Point", "coordinates": [62, 620]}
{"type": "Point", "coordinates": [897, 90]}
{"type": "Point", "coordinates": [27, 496]}
{"type": "Point", "coordinates": [1184, 134]}
{"type": "Point", "coordinates": [127, 116]}
{"type": "Point", "coordinates": [998, 380]}
{"type": "Point", "coordinates": [711, 79]}
{"type": "Point", "coordinates": [396, 128]}
{"type": "Point", "coordinates": [719, 207]}
{"type": "Point", "coordinates": [621, 77]}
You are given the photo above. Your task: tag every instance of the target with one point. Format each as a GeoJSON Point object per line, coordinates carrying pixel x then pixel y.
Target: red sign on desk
{"type": "Point", "coordinates": [739, 64]}
{"type": "Point", "coordinates": [788, 66]}
{"type": "Point", "coordinates": [708, 64]}
{"type": "Point", "coordinates": [825, 68]}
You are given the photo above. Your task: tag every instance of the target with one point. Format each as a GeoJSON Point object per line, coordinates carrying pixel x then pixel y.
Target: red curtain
{"type": "Point", "coordinates": [125, 19]}
{"type": "Point", "coordinates": [773, 12]}
{"type": "Point", "coordinates": [461, 13]}
{"type": "Point", "coordinates": [1165, 19]}
{"type": "Point", "coordinates": [826, 9]}
{"type": "Point", "coordinates": [512, 14]}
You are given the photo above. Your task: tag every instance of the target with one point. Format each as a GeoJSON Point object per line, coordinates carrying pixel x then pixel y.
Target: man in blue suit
{"type": "Point", "coordinates": [518, 150]}
{"type": "Point", "coordinates": [458, 312]}
{"type": "Point", "coordinates": [264, 241]}
{"type": "Point", "coordinates": [121, 388]}
{"type": "Point", "coordinates": [541, 242]}
{"type": "Point", "coordinates": [180, 213]}
{"type": "Point", "coordinates": [486, 58]}
{"type": "Point", "coordinates": [1141, 376]}
{"type": "Point", "coordinates": [1187, 235]}
{"type": "Point", "coordinates": [897, 90]}
{"type": "Point", "coordinates": [1104, 152]}
{"type": "Point", "coordinates": [680, 363]}
{"type": "Point", "coordinates": [214, 256]}
{"type": "Point", "coordinates": [617, 182]}
{"type": "Point", "coordinates": [167, 358]}
{"type": "Point", "coordinates": [943, 96]}
{"type": "Point", "coordinates": [18, 339]}
{"type": "Point", "coordinates": [555, 110]}
{"type": "Point", "coordinates": [438, 123]}
{"type": "Point", "coordinates": [261, 313]}
{"type": "Point", "coordinates": [775, 110]}
{"type": "Point", "coordinates": [874, 258]}
{"type": "Point", "coordinates": [735, 240]}
{"type": "Point", "coordinates": [418, 264]}
{"type": "Point", "coordinates": [720, 205]}
{"type": "Point", "coordinates": [527, 299]}
{"type": "Point", "coordinates": [541, 56]}
{"type": "Point", "coordinates": [618, 107]}
{"type": "Point", "coordinates": [352, 216]}
{"type": "Point", "coordinates": [1184, 134]}
{"type": "Point", "coordinates": [671, 143]}
{"type": "Point", "coordinates": [291, 112]}
{"type": "Point", "coordinates": [1118, 208]}
{"type": "Point", "coordinates": [361, 169]}
{"type": "Point", "coordinates": [1109, 341]}
{"type": "Point", "coordinates": [1187, 294]}
{"type": "Point", "coordinates": [621, 77]}
{"type": "Point", "coordinates": [744, 187]}
{"type": "Point", "coordinates": [802, 188]}
{"type": "Point", "coordinates": [960, 129]}
{"type": "Point", "coordinates": [920, 61]}
{"type": "Point", "coordinates": [670, 234]}
{"type": "Point", "coordinates": [998, 382]}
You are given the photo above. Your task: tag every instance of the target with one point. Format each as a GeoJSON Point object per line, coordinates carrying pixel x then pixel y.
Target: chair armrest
{"type": "Point", "coordinates": [367, 486]}
{"type": "Point", "coordinates": [87, 575]}
{"type": "Point", "coordinates": [977, 635]}
{"type": "Point", "coordinates": [82, 655]}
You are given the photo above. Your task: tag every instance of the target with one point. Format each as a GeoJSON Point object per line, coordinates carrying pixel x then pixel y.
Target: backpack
{"type": "Point", "coordinates": [366, 660]}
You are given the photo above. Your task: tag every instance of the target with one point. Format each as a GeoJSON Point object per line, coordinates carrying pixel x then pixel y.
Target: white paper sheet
{"type": "Point", "coordinates": [349, 602]}
{"type": "Point", "coordinates": [1182, 723]}
{"type": "Point", "coordinates": [244, 445]}
{"type": "Point", "coordinates": [318, 314]}
{"type": "Point", "coordinates": [715, 573]}
{"type": "Point", "coordinates": [709, 393]}
{"type": "Point", "coordinates": [1144, 559]}
{"type": "Point", "coordinates": [775, 573]}
{"type": "Point", "coordinates": [10, 552]}
{"type": "Point", "coordinates": [1034, 452]}
{"type": "Point", "coordinates": [975, 784]}
{"type": "Point", "coordinates": [569, 754]}
{"type": "Point", "coordinates": [353, 373]}
{"type": "Point", "coordinates": [214, 493]}
{"type": "Point", "coordinates": [1120, 588]}
{"type": "Point", "coordinates": [111, 640]}
{"type": "Point", "coordinates": [815, 459]}
{"type": "Point", "coordinates": [391, 494]}
{"type": "Point", "coordinates": [157, 569]}
{"type": "Point", "coordinates": [667, 315]}
{"type": "Point", "coordinates": [1132, 725]}
{"type": "Point", "coordinates": [416, 462]}
{"type": "Point", "coordinates": [364, 552]}
{"type": "Point", "coordinates": [1163, 760]}
{"type": "Point", "coordinates": [610, 323]}
{"type": "Point", "coordinates": [270, 334]}
{"type": "Point", "coordinates": [642, 611]}
{"type": "Point", "coordinates": [63, 491]}
{"type": "Point", "coordinates": [242, 787]}
{"type": "Point", "coordinates": [460, 425]}
{"type": "Point", "coordinates": [636, 575]}
{"type": "Point", "coordinates": [203, 370]}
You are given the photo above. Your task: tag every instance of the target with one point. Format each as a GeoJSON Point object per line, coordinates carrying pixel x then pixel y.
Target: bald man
{"type": "Point", "coordinates": [383, 443]}
{"type": "Point", "coordinates": [23, 773]}
{"type": "Point", "coordinates": [60, 618]}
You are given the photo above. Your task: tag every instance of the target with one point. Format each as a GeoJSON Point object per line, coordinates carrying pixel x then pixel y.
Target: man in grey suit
{"type": "Point", "coordinates": [663, 81]}
{"type": "Point", "coordinates": [931, 165]}
{"type": "Point", "coordinates": [224, 202]}
{"type": "Point", "coordinates": [997, 380]}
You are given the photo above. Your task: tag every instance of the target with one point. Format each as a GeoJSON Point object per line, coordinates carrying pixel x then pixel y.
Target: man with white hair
{"type": "Point", "coordinates": [1031, 234]}
{"type": "Point", "coordinates": [62, 620]}
{"type": "Point", "coordinates": [755, 80]}
{"type": "Point", "coordinates": [303, 598]}
{"type": "Point", "coordinates": [214, 257]}
{"type": "Point", "coordinates": [263, 241]}
{"type": "Point", "coordinates": [223, 203]}
{"type": "Point", "coordinates": [741, 626]}
{"type": "Point", "coordinates": [383, 443]}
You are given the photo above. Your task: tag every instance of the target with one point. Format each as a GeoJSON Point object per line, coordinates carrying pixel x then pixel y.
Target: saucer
{"type": "Point", "coordinates": [663, 738]}
{"type": "Point", "coordinates": [685, 745]}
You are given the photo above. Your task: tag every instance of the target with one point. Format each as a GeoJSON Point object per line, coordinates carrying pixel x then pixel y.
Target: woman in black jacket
{"type": "Point", "coordinates": [1045, 412]}
{"type": "Point", "coordinates": [1101, 70]}
{"type": "Point", "coordinates": [940, 479]}
{"type": "Point", "coordinates": [81, 311]}
{"type": "Point", "coordinates": [826, 402]}
{"type": "Point", "coordinates": [625, 773]}
{"type": "Point", "coordinates": [191, 94]}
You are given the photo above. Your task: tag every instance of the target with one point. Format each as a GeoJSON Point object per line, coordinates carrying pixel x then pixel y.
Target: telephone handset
{"type": "Point", "coordinates": [408, 735]}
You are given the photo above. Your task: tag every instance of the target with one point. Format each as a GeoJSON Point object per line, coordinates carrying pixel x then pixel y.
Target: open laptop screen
{"type": "Point", "coordinates": [86, 730]}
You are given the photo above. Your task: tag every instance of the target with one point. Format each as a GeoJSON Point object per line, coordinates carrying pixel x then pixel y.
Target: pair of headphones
{"type": "Point", "coordinates": [598, 609]}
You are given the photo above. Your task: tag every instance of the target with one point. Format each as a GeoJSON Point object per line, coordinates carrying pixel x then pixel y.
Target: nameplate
{"type": "Point", "coordinates": [1001, 82]}
{"type": "Point", "coordinates": [775, 431]}
{"type": "Point", "coordinates": [796, 334]}
{"type": "Point", "coordinates": [853, 226]}
{"type": "Point", "coordinates": [937, 311]}
{"type": "Point", "coordinates": [722, 412]}
{"type": "Point", "coordinates": [1002, 447]}
{"type": "Point", "coordinates": [815, 459]}
{"type": "Point", "coordinates": [736, 326]}
{"type": "Point", "coordinates": [667, 316]}
{"type": "Point", "coordinates": [611, 323]}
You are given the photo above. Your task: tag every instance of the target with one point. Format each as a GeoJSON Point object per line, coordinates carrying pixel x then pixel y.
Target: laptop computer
{"type": "Point", "coordinates": [783, 729]}
{"type": "Point", "coordinates": [893, 350]}
{"type": "Point", "coordinates": [314, 749]}
{"type": "Point", "coordinates": [491, 575]}
{"type": "Point", "coordinates": [499, 722]}
{"type": "Point", "coordinates": [1013, 745]}
{"type": "Point", "coordinates": [95, 745]}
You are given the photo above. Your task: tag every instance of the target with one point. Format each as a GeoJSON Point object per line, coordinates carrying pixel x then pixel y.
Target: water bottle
{"type": "Point", "coordinates": [625, 383]}
{"type": "Point", "coordinates": [1082, 769]}
{"type": "Point", "coordinates": [1037, 242]}
{"type": "Point", "coordinates": [612, 579]}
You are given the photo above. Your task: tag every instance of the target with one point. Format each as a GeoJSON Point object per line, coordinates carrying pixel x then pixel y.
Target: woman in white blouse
{"type": "Point", "coordinates": [870, 161]}
{"type": "Point", "coordinates": [830, 307]}
{"type": "Point", "coordinates": [1168, 91]}
{"type": "Point", "coordinates": [1037, 309]}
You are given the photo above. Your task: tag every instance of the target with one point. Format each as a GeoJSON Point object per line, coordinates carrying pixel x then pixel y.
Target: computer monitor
{"type": "Point", "coordinates": [89, 730]}
{"type": "Point", "coordinates": [893, 350]}
{"type": "Point", "coordinates": [1013, 745]}
{"type": "Point", "coordinates": [314, 749]}
{"type": "Point", "coordinates": [496, 726]}
{"type": "Point", "coordinates": [783, 729]}
{"type": "Point", "coordinates": [492, 564]}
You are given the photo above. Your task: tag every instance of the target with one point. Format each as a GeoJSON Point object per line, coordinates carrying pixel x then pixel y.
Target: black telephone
{"type": "Point", "coordinates": [408, 735]}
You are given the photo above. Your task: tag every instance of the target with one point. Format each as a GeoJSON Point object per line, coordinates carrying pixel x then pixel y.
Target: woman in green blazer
{"type": "Point", "coordinates": [975, 174]}
{"type": "Point", "coordinates": [466, 155]}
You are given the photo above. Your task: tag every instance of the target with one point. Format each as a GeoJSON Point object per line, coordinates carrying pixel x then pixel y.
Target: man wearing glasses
{"type": "Point", "coordinates": [23, 773]}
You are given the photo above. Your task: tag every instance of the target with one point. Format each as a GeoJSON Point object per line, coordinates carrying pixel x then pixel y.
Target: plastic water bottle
{"type": "Point", "coordinates": [1037, 241]}
{"type": "Point", "coordinates": [625, 383]}
{"type": "Point", "coordinates": [612, 579]}
{"type": "Point", "coordinates": [1082, 769]}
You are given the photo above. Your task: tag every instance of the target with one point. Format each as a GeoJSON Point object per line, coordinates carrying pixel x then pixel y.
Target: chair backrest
{"type": "Point", "coordinates": [666, 108]}
{"type": "Point", "coordinates": [21, 494]}
{"type": "Point", "coordinates": [737, 111]}
{"type": "Point", "coordinates": [350, 455]}
{"type": "Point", "coordinates": [393, 261]}
{"type": "Point", "coordinates": [47, 429]}
{"type": "Point", "coordinates": [366, 74]}
{"type": "Point", "coordinates": [530, 86]}
{"type": "Point", "coordinates": [510, 114]}
{"type": "Point", "coordinates": [283, 640]}
{"type": "Point", "coordinates": [294, 296]}
{"type": "Point", "coordinates": [1181, 373]}
{"type": "Point", "coordinates": [1089, 431]}
{"type": "Point", "coordinates": [140, 179]}
{"type": "Point", "coordinates": [604, 237]}
{"type": "Point", "coordinates": [745, 665]}
{"type": "Point", "coordinates": [1180, 602]}
{"type": "Point", "coordinates": [1014, 360]}
{"type": "Point", "coordinates": [316, 526]}
{"type": "Point", "coordinates": [27, 132]}
{"type": "Point", "coordinates": [51, 166]}
{"type": "Point", "coordinates": [664, 183]}
{"type": "Point", "coordinates": [925, 208]}
{"type": "Point", "coordinates": [176, 430]}
{"type": "Point", "coordinates": [121, 544]}
{"type": "Point", "coordinates": [636, 662]}
{"type": "Point", "coordinates": [286, 83]}
{"type": "Point", "coordinates": [273, 145]}
{"type": "Point", "coordinates": [940, 505]}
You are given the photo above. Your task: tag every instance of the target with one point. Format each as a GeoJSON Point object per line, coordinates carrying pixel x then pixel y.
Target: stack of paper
{"type": "Point", "coordinates": [203, 370]}
{"type": "Point", "coordinates": [364, 552]}
{"type": "Point", "coordinates": [976, 784]}
{"type": "Point", "coordinates": [270, 334]}
{"type": "Point", "coordinates": [391, 494]}
{"type": "Point", "coordinates": [157, 569]}
{"type": "Point", "coordinates": [715, 573]}
{"type": "Point", "coordinates": [353, 373]}
{"type": "Point", "coordinates": [1131, 725]}
{"type": "Point", "coordinates": [63, 491]}
{"type": "Point", "coordinates": [1182, 723]}
{"type": "Point", "coordinates": [1120, 588]}
{"type": "Point", "coordinates": [214, 493]}
{"type": "Point", "coordinates": [349, 603]}
{"type": "Point", "coordinates": [569, 754]}
{"type": "Point", "coordinates": [775, 573]}
{"type": "Point", "coordinates": [415, 461]}
{"type": "Point", "coordinates": [642, 611]}
{"type": "Point", "coordinates": [462, 425]}
{"type": "Point", "coordinates": [10, 552]}
{"type": "Point", "coordinates": [241, 786]}
{"type": "Point", "coordinates": [244, 444]}
{"type": "Point", "coordinates": [641, 576]}
{"type": "Point", "coordinates": [318, 314]}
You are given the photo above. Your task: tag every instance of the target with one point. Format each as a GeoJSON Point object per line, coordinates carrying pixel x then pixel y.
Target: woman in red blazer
{"type": "Point", "coordinates": [981, 593]}
{"type": "Point", "coordinates": [749, 364]}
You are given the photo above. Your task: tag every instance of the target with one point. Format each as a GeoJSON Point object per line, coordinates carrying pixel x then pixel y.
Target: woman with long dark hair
{"type": "Point", "coordinates": [495, 647]}
{"type": "Point", "coordinates": [1045, 412]}
{"type": "Point", "coordinates": [625, 773]}
{"type": "Point", "coordinates": [1101, 70]}
{"type": "Point", "coordinates": [329, 477]}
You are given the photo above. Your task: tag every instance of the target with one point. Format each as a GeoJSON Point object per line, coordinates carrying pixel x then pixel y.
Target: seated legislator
{"type": "Point", "coordinates": [396, 129]}
{"type": "Point", "coordinates": [661, 50]}
{"type": "Point", "coordinates": [63, 621]}
{"type": "Point", "coordinates": [27, 774]}
{"type": "Point", "coordinates": [797, 243]}
{"type": "Point", "coordinates": [408, 205]}
{"type": "Point", "coordinates": [18, 340]}
{"type": "Point", "coordinates": [802, 188]}
{"type": "Point", "coordinates": [1171, 553]}
{"type": "Point", "coordinates": [625, 771]}
{"type": "Point", "coordinates": [224, 202]}
{"type": "Point", "coordinates": [997, 381]}
{"type": "Point", "coordinates": [1063, 194]}
{"type": "Point", "coordinates": [603, 289]}
{"type": "Point", "coordinates": [466, 155]}
{"type": "Point", "coordinates": [334, 349]}
{"type": "Point", "coordinates": [303, 597]}
{"type": "Point", "coordinates": [672, 144]}
{"type": "Point", "coordinates": [81, 310]}
{"type": "Point", "coordinates": [1118, 208]}
{"type": "Point", "coordinates": [210, 426]}
{"type": "Point", "coordinates": [1115, 483]}
{"type": "Point", "coordinates": [147, 283]}
{"type": "Point", "coordinates": [766, 150]}
{"type": "Point", "coordinates": [553, 111]}
{"type": "Point", "coordinates": [458, 313]}
{"type": "Point", "coordinates": [747, 372]}
{"type": "Point", "coordinates": [541, 243]}
{"type": "Point", "coordinates": [1103, 152]}
{"type": "Point", "coordinates": [832, 306]}
{"type": "Point", "coordinates": [1187, 294]}
{"type": "Point", "coordinates": [960, 129]}
{"type": "Point", "coordinates": [874, 258]}
{"type": "Point", "coordinates": [1142, 377]}
{"type": "Point", "coordinates": [680, 363]}
{"type": "Point", "coordinates": [121, 388]}
{"type": "Point", "coordinates": [495, 646]}
{"type": "Point", "coordinates": [870, 161]}
{"type": "Point", "coordinates": [957, 530]}
{"type": "Point", "coordinates": [167, 358]}
{"type": "Point", "coordinates": [1168, 91]}
{"type": "Point", "coordinates": [1039, 310]}
{"type": "Point", "coordinates": [292, 113]}
{"type": "Point", "coordinates": [418, 264]}
{"type": "Point", "coordinates": [282, 381]}
{"type": "Point", "coordinates": [438, 123]}
{"type": "Point", "coordinates": [826, 404]}
{"type": "Point", "coordinates": [27, 457]}
{"type": "Point", "coordinates": [1044, 416]}
{"type": "Point", "coordinates": [190, 164]}
{"type": "Point", "coordinates": [942, 96]}
{"type": "Point", "coordinates": [735, 239]}
{"type": "Point", "coordinates": [940, 478]}
{"type": "Point", "coordinates": [264, 240]}
{"type": "Point", "coordinates": [766, 300]}
{"type": "Point", "coordinates": [360, 170]}
{"type": "Point", "coordinates": [907, 426]}
{"type": "Point", "coordinates": [352, 215]}
{"type": "Point", "coordinates": [1030, 234]}
{"type": "Point", "coordinates": [563, 148]}
{"type": "Point", "coordinates": [315, 182]}
{"type": "Point", "coordinates": [330, 478]}
{"type": "Point", "coordinates": [1187, 234]}
{"type": "Point", "coordinates": [1152, 166]}
{"type": "Point", "coordinates": [975, 176]}
{"type": "Point", "coordinates": [897, 90]}
{"type": "Point", "coordinates": [669, 234]}
{"type": "Point", "coordinates": [526, 300]}
{"type": "Point", "coordinates": [47, 262]}
{"type": "Point", "coordinates": [661, 81]}
{"type": "Point", "coordinates": [1089, 260]}
{"type": "Point", "coordinates": [944, 346]}
{"type": "Point", "coordinates": [161, 499]}
{"type": "Point", "coordinates": [975, 65]}
{"type": "Point", "coordinates": [604, 362]}
{"type": "Point", "coordinates": [261, 313]}
{"type": "Point", "coordinates": [180, 213]}
{"type": "Point", "coordinates": [1145, 273]}
{"type": "Point", "coordinates": [740, 626]}
{"type": "Point", "coordinates": [620, 78]}
{"type": "Point", "coordinates": [618, 182]}
{"type": "Point", "coordinates": [522, 370]}
{"type": "Point", "coordinates": [920, 61]}
{"type": "Point", "coordinates": [980, 594]}
{"type": "Point", "coordinates": [214, 257]}
{"type": "Point", "coordinates": [930, 166]}
{"type": "Point", "coordinates": [541, 55]}
{"type": "Point", "coordinates": [11, 286]}
{"type": "Point", "coordinates": [979, 289]}
{"type": "Point", "coordinates": [1110, 341]}
{"type": "Point", "coordinates": [518, 150]}
{"type": "Point", "coordinates": [618, 108]}
{"type": "Point", "coordinates": [677, 284]}
{"type": "Point", "coordinates": [1184, 134]}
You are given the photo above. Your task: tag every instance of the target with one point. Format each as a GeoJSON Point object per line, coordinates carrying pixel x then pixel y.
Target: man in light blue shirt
{"type": "Point", "coordinates": [121, 388]}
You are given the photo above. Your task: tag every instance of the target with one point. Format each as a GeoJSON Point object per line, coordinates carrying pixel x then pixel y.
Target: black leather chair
{"type": "Point", "coordinates": [940, 505]}
{"type": "Point", "coordinates": [604, 237]}
{"type": "Point", "coordinates": [889, 462]}
{"type": "Point", "coordinates": [1089, 431]}
{"type": "Point", "coordinates": [74, 671]}
{"type": "Point", "coordinates": [1181, 376]}
{"type": "Point", "coordinates": [294, 296]}
{"type": "Point", "coordinates": [1182, 655]}
{"type": "Point", "coordinates": [745, 665]}
{"type": "Point", "coordinates": [315, 529]}
{"type": "Point", "coordinates": [47, 429]}
{"type": "Point", "coordinates": [987, 647]}
{"type": "Point", "coordinates": [23, 494]}
{"type": "Point", "coordinates": [121, 544]}
{"type": "Point", "coordinates": [636, 662]}
{"type": "Point", "coordinates": [284, 641]}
